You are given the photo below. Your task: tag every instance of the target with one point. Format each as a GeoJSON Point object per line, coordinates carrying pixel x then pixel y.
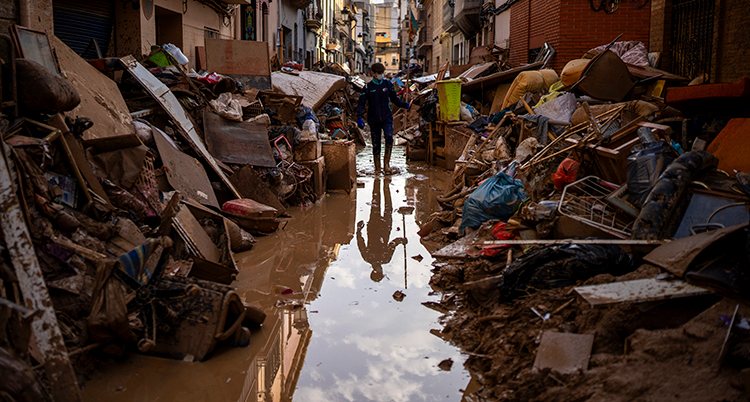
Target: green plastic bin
{"type": "Point", "coordinates": [449, 96]}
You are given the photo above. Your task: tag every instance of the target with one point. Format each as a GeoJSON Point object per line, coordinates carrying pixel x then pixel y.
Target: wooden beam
{"type": "Point", "coordinates": [49, 339]}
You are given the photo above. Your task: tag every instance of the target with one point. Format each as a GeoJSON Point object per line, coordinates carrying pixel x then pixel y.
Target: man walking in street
{"type": "Point", "coordinates": [377, 93]}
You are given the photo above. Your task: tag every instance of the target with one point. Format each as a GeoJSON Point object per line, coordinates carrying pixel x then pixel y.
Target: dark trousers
{"type": "Point", "coordinates": [384, 127]}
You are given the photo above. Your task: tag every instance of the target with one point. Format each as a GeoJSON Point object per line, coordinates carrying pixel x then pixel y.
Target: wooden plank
{"type": "Point", "coordinates": [101, 100]}
{"type": "Point", "coordinates": [174, 109]}
{"type": "Point", "coordinates": [544, 242]}
{"type": "Point", "coordinates": [564, 353]}
{"type": "Point", "coordinates": [244, 60]}
{"type": "Point", "coordinates": [458, 249]}
{"type": "Point", "coordinates": [494, 79]}
{"type": "Point", "coordinates": [315, 88]}
{"type": "Point", "coordinates": [49, 339]}
{"type": "Point", "coordinates": [638, 291]}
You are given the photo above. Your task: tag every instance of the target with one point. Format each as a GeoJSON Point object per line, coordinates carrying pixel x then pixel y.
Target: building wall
{"type": "Point", "coordinates": [502, 28]}
{"type": "Point", "coordinates": [194, 21]}
{"type": "Point", "coordinates": [571, 27]}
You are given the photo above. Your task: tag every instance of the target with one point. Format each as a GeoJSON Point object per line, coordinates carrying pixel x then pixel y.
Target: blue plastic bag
{"type": "Point", "coordinates": [497, 198]}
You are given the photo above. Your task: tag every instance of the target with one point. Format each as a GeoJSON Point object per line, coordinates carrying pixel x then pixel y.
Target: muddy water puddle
{"type": "Point", "coordinates": [334, 331]}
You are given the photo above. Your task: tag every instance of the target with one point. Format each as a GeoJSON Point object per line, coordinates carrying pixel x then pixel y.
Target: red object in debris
{"type": "Point", "coordinates": [732, 147]}
{"type": "Point", "coordinates": [566, 173]}
{"type": "Point", "coordinates": [294, 65]}
{"type": "Point", "coordinates": [701, 94]}
{"type": "Point", "coordinates": [499, 232]}
{"type": "Point", "coordinates": [248, 208]}
{"type": "Point", "coordinates": [210, 79]}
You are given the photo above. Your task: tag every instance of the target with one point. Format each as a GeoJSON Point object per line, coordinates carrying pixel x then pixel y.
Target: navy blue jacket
{"type": "Point", "coordinates": [377, 96]}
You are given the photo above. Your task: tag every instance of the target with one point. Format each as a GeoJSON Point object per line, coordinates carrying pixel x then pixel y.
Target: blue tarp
{"type": "Point", "coordinates": [496, 198]}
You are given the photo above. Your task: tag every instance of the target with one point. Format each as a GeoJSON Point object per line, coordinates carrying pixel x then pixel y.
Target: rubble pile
{"type": "Point", "coordinates": [593, 242]}
{"type": "Point", "coordinates": [127, 187]}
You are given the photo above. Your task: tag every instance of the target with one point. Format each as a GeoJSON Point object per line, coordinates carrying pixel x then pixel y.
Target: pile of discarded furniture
{"type": "Point", "coordinates": [615, 181]}
{"type": "Point", "coordinates": [127, 186]}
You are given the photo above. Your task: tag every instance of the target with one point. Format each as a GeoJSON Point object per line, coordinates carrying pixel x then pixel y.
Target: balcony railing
{"type": "Point", "coordinates": [447, 15]}
{"type": "Point", "coordinates": [313, 18]}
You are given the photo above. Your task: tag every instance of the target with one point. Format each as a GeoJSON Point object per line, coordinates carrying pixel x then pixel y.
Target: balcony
{"type": "Point", "coordinates": [448, 23]}
{"type": "Point", "coordinates": [299, 4]}
{"type": "Point", "coordinates": [466, 16]}
{"type": "Point", "coordinates": [425, 37]}
{"type": "Point", "coordinates": [313, 19]}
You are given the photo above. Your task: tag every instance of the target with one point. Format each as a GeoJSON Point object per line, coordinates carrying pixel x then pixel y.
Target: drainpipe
{"type": "Point", "coordinates": [24, 12]}
{"type": "Point", "coordinates": [278, 29]}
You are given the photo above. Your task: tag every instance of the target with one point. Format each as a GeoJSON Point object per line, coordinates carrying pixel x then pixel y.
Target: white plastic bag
{"type": "Point", "coordinates": [227, 107]}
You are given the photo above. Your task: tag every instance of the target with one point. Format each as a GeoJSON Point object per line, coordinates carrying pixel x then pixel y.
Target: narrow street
{"type": "Point", "coordinates": [340, 336]}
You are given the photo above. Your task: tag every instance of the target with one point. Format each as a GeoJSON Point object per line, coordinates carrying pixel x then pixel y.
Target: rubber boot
{"type": "Point", "coordinates": [387, 160]}
{"type": "Point", "coordinates": [376, 158]}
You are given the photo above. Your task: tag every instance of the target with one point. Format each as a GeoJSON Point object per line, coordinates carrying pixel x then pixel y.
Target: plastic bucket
{"type": "Point", "coordinates": [449, 96]}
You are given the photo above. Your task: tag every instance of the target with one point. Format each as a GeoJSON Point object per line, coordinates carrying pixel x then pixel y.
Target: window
{"type": "Point", "coordinates": [394, 61]}
{"type": "Point", "coordinates": [380, 60]}
{"type": "Point", "coordinates": [210, 33]}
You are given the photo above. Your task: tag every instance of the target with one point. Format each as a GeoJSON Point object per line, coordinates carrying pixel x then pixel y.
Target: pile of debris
{"type": "Point", "coordinates": [597, 241]}
{"type": "Point", "coordinates": [127, 186]}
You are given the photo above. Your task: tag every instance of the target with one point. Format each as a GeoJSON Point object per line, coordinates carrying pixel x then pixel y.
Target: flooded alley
{"type": "Point", "coordinates": [334, 331]}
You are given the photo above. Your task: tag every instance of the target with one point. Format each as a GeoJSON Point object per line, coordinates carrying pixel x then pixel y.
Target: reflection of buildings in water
{"type": "Point", "coordinates": [422, 194]}
{"type": "Point", "coordinates": [299, 260]}
{"type": "Point", "coordinates": [275, 370]}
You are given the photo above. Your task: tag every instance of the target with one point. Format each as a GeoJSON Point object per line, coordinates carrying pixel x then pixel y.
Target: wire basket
{"type": "Point", "coordinates": [586, 201]}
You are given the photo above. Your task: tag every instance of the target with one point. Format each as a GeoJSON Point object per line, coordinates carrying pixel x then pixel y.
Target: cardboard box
{"type": "Point", "coordinates": [307, 150]}
{"type": "Point", "coordinates": [318, 167]}
{"type": "Point", "coordinates": [341, 164]}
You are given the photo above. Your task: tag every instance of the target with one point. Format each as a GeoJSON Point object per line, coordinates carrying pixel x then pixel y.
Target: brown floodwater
{"type": "Point", "coordinates": [341, 335]}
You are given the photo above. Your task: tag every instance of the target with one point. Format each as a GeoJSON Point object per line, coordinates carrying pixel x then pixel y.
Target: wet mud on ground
{"type": "Point", "coordinates": [334, 330]}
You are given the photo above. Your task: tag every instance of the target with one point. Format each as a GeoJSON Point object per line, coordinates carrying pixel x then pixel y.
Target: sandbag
{"type": "Point", "coordinates": [496, 198]}
{"type": "Point", "coordinates": [550, 77]}
{"type": "Point", "coordinates": [39, 90]}
{"type": "Point", "coordinates": [529, 81]}
{"type": "Point", "coordinates": [572, 71]}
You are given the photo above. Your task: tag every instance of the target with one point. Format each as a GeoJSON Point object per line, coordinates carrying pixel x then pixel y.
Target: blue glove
{"type": "Point", "coordinates": [408, 105]}
{"type": "Point", "coordinates": [360, 123]}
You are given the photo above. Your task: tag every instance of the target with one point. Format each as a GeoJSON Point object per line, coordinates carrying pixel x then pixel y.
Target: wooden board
{"type": "Point", "coordinates": [196, 235]}
{"type": "Point", "coordinates": [314, 88]}
{"type": "Point", "coordinates": [459, 249]}
{"type": "Point", "coordinates": [241, 143]}
{"type": "Point", "coordinates": [184, 173]}
{"type": "Point", "coordinates": [488, 82]}
{"type": "Point", "coordinates": [244, 60]}
{"type": "Point", "coordinates": [731, 146]}
{"type": "Point", "coordinates": [564, 353]}
{"type": "Point", "coordinates": [173, 107]}
{"type": "Point", "coordinates": [677, 255]}
{"type": "Point", "coordinates": [638, 291]}
{"type": "Point", "coordinates": [101, 100]}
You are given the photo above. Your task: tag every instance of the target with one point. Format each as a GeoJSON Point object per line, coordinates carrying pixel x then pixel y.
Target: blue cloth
{"type": "Point", "coordinates": [496, 198]}
{"type": "Point", "coordinates": [376, 129]}
{"type": "Point", "coordinates": [134, 261]}
{"type": "Point", "coordinates": [360, 123]}
{"type": "Point", "coordinates": [377, 95]}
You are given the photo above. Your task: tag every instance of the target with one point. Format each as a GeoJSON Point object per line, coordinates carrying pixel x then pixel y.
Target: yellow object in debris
{"type": "Point", "coordinates": [449, 96]}
{"type": "Point", "coordinates": [554, 92]}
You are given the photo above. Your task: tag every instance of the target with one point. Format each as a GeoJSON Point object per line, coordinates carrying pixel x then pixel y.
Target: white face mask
{"type": "Point", "coordinates": [380, 77]}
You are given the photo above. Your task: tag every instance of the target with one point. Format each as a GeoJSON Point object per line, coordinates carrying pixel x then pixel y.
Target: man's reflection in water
{"type": "Point", "coordinates": [379, 251]}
